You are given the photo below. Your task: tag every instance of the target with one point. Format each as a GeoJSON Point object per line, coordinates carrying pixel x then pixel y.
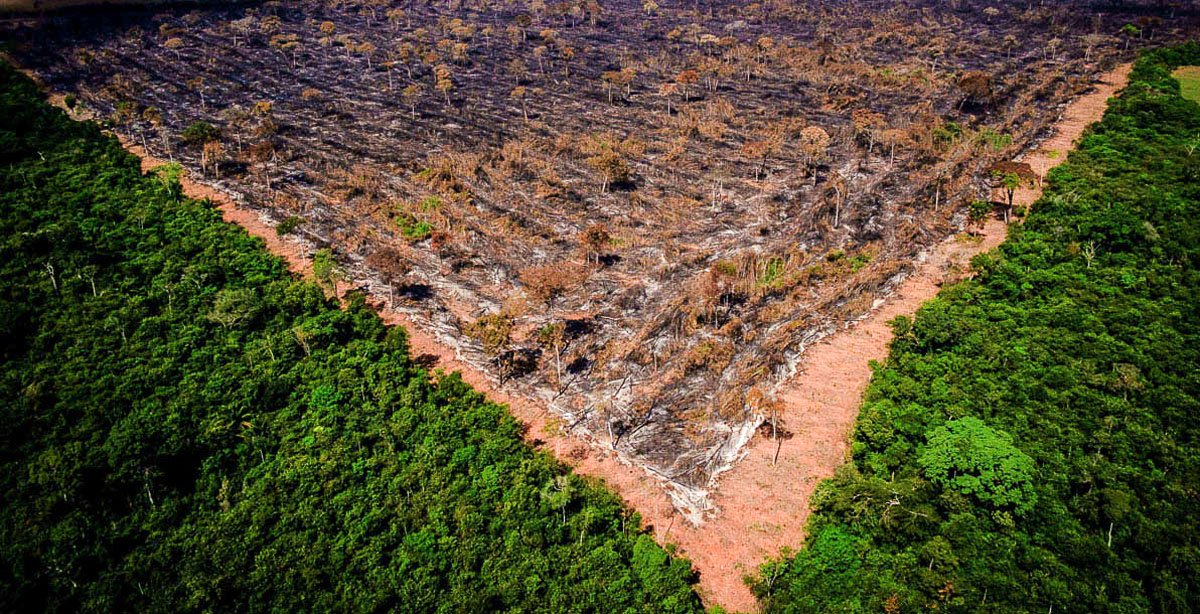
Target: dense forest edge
{"type": "Point", "coordinates": [185, 426]}
{"type": "Point", "coordinates": [1031, 442]}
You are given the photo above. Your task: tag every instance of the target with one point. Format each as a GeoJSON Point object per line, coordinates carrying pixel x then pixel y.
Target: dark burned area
{"type": "Point", "coordinates": [638, 214]}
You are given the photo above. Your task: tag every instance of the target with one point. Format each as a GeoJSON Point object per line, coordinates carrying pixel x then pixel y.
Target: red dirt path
{"type": "Point", "coordinates": [762, 502]}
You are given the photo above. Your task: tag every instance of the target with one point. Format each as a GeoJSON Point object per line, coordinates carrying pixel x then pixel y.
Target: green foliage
{"type": "Point", "coordinates": [772, 273]}
{"type": "Point", "coordinates": [186, 427]}
{"type": "Point", "coordinates": [413, 229]}
{"type": "Point", "coordinates": [432, 203]}
{"type": "Point", "coordinates": [947, 134]}
{"type": "Point", "coordinates": [493, 331]}
{"type": "Point", "coordinates": [1009, 181]}
{"type": "Point", "coordinates": [199, 133]}
{"type": "Point", "coordinates": [1031, 442]}
{"type": "Point", "coordinates": [979, 210]}
{"type": "Point", "coordinates": [969, 457]}
{"type": "Point", "coordinates": [729, 268]}
{"type": "Point", "coordinates": [169, 175]}
{"type": "Point", "coordinates": [859, 261]}
{"type": "Point", "coordinates": [997, 141]}
{"type": "Point", "coordinates": [326, 270]}
{"type": "Point", "coordinates": [289, 225]}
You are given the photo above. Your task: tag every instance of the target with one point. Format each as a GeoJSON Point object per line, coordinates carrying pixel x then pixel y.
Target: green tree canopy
{"type": "Point", "coordinates": [967, 456]}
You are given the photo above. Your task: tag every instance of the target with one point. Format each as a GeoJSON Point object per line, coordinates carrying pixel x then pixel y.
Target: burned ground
{"type": "Point", "coordinates": [638, 213]}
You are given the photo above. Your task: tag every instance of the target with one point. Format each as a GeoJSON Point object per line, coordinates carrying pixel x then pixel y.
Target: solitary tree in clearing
{"type": "Point", "coordinates": [567, 55]}
{"type": "Point", "coordinates": [592, 242]}
{"type": "Point", "coordinates": [837, 185]}
{"type": "Point", "coordinates": [892, 138]}
{"type": "Point", "coordinates": [611, 167]}
{"type": "Point", "coordinates": [813, 146]}
{"type": "Point", "coordinates": [1010, 43]}
{"type": "Point", "coordinates": [262, 154]}
{"type": "Point", "coordinates": [327, 29]}
{"type": "Point", "coordinates": [518, 70]}
{"type": "Point", "coordinates": [210, 157]}
{"type": "Point", "coordinates": [609, 78]}
{"type": "Point", "coordinates": [393, 267]}
{"type": "Point", "coordinates": [326, 270]}
{"type": "Point", "coordinates": [494, 333]}
{"type": "Point", "coordinates": [199, 133]}
{"type": "Point", "coordinates": [1010, 176]}
{"type": "Point", "coordinates": [1130, 31]}
{"type": "Point", "coordinates": [519, 94]}
{"type": "Point", "coordinates": [241, 27]}
{"type": "Point", "coordinates": [553, 337]}
{"type": "Point", "coordinates": [154, 117]}
{"type": "Point", "coordinates": [443, 81]}
{"type": "Point", "coordinates": [667, 90]}
{"type": "Point", "coordinates": [539, 54]}
{"type": "Point", "coordinates": [1051, 47]}
{"type": "Point", "coordinates": [366, 49]}
{"type": "Point", "coordinates": [977, 214]}
{"type": "Point", "coordinates": [522, 21]}
{"type": "Point", "coordinates": [686, 79]}
{"type": "Point", "coordinates": [174, 44]}
{"type": "Point", "coordinates": [762, 150]}
{"type": "Point", "coordinates": [867, 125]}
{"type": "Point", "coordinates": [288, 45]}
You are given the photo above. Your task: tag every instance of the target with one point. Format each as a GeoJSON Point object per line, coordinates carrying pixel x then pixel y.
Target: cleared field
{"type": "Point", "coordinates": [638, 215]}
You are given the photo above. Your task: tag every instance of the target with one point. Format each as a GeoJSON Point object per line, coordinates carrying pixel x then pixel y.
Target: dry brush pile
{"type": "Point", "coordinates": [640, 213]}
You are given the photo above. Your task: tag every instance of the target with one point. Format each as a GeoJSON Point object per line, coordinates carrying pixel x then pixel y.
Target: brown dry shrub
{"type": "Point", "coordinates": [493, 331]}
{"type": "Point", "coordinates": [731, 405]}
{"type": "Point", "coordinates": [513, 161]}
{"type": "Point", "coordinates": [393, 266]}
{"type": "Point", "coordinates": [713, 130]}
{"type": "Point", "coordinates": [547, 282]}
{"type": "Point", "coordinates": [440, 241]}
{"type": "Point", "coordinates": [684, 125]}
{"type": "Point", "coordinates": [709, 354]}
{"type": "Point", "coordinates": [358, 180]}
{"type": "Point", "coordinates": [445, 174]}
{"type": "Point", "coordinates": [287, 202]}
{"type": "Point", "coordinates": [977, 85]}
{"type": "Point", "coordinates": [732, 330]}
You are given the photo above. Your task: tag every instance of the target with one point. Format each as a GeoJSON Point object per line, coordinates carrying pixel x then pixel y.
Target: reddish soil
{"type": "Point", "coordinates": [762, 502]}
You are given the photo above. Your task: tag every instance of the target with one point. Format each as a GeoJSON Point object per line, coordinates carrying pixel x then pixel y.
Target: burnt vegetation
{"type": "Point", "coordinates": [640, 213]}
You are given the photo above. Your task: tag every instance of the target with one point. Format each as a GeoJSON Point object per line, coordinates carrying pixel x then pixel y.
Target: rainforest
{"type": "Point", "coordinates": [775, 307]}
